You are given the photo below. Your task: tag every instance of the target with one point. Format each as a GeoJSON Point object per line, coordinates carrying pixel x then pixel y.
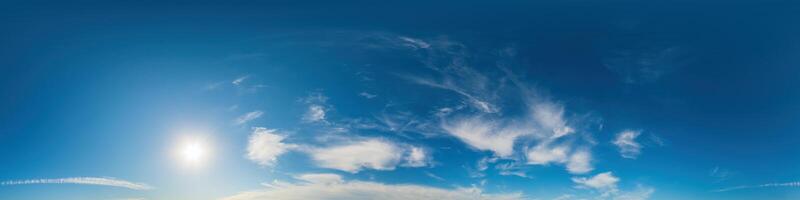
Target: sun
{"type": "Point", "coordinates": [193, 151]}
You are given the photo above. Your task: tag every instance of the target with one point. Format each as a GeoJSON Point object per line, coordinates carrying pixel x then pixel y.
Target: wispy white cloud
{"type": "Point", "coordinates": [606, 185]}
{"type": "Point", "coordinates": [640, 193]}
{"type": "Point", "coordinates": [362, 190]}
{"type": "Point", "coordinates": [580, 162]}
{"type": "Point", "coordinates": [240, 80]}
{"type": "Point", "coordinates": [484, 134]}
{"type": "Point", "coordinates": [543, 124]}
{"type": "Point", "coordinates": [324, 178]}
{"type": "Point", "coordinates": [397, 119]}
{"type": "Point", "coordinates": [317, 107]}
{"type": "Point", "coordinates": [550, 116]}
{"type": "Point", "coordinates": [626, 142]}
{"type": "Point", "coordinates": [476, 100]}
{"type": "Point", "coordinates": [247, 117]}
{"type": "Point", "coordinates": [417, 157]}
{"type": "Point", "coordinates": [104, 181]}
{"type": "Point", "coordinates": [544, 155]}
{"type": "Point", "coordinates": [434, 176]}
{"type": "Point", "coordinates": [265, 145]}
{"type": "Point", "coordinates": [449, 61]}
{"type": "Point", "coordinates": [576, 161]}
{"type": "Point", "coordinates": [719, 174]}
{"type": "Point", "coordinates": [415, 43]}
{"type": "Point", "coordinates": [367, 95]}
{"type": "Point", "coordinates": [605, 182]}
{"type": "Point", "coordinates": [511, 169]}
{"type": "Point", "coordinates": [315, 113]}
{"type": "Point", "coordinates": [377, 154]}
{"type": "Point", "coordinates": [657, 140]}
{"type": "Point", "coordinates": [787, 184]}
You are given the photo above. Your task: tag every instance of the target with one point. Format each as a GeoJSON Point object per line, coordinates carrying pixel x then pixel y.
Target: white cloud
{"type": "Point", "coordinates": [484, 134]}
{"type": "Point", "coordinates": [605, 183]}
{"type": "Point", "coordinates": [265, 145]}
{"type": "Point", "coordinates": [577, 162]}
{"type": "Point", "coordinates": [485, 127]}
{"type": "Point", "coordinates": [83, 180]}
{"type": "Point", "coordinates": [417, 157]}
{"type": "Point", "coordinates": [510, 169]}
{"type": "Point", "coordinates": [545, 124]}
{"type": "Point", "coordinates": [238, 81]}
{"type": "Point", "coordinates": [247, 117]}
{"type": "Point", "coordinates": [580, 162]}
{"type": "Point", "coordinates": [374, 154]}
{"type": "Point", "coordinates": [361, 190]}
{"type": "Point", "coordinates": [449, 61]}
{"type": "Point", "coordinates": [317, 107]}
{"type": "Point", "coordinates": [550, 117]}
{"type": "Point", "coordinates": [543, 155]}
{"type": "Point", "coordinates": [641, 193]}
{"type": "Point", "coordinates": [315, 113]}
{"type": "Point", "coordinates": [626, 142]}
{"type": "Point", "coordinates": [367, 95]}
{"type": "Point", "coordinates": [476, 100]}
{"type": "Point", "coordinates": [415, 43]}
{"type": "Point", "coordinates": [321, 178]}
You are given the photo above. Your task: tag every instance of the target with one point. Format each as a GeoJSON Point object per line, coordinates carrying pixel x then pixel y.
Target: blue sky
{"type": "Point", "coordinates": [402, 100]}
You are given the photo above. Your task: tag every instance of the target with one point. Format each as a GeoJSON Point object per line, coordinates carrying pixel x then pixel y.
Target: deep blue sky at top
{"type": "Point", "coordinates": [90, 89]}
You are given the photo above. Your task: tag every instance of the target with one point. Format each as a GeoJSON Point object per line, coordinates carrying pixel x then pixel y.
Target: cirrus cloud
{"type": "Point", "coordinates": [104, 181]}
{"type": "Point", "coordinates": [377, 154]}
{"type": "Point", "coordinates": [626, 142]}
{"type": "Point", "coordinates": [265, 145]}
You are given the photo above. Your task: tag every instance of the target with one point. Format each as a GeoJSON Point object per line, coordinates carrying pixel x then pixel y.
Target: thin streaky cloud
{"type": "Point", "coordinates": [113, 182]}
{"type": "Point", "coordinates": [627, 144]}
{"type": "Point", "coordinates": [367, 95]}
{"type": "Point", "coordinates": [238, 81]}
{"type": "Point", "coordinates": [788, 184]}
{"type": "Point", "coordinates": [248, 117]}
{"type": "Point", "coordinates": [434, 176]}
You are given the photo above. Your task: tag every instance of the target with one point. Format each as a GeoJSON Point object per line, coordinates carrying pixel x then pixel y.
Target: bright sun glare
{"type": "Point", "coordinates": [193, 151]}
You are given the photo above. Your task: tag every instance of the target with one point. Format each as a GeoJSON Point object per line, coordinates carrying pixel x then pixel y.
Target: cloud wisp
{"type": "Point", "coordinates": [265, 145]}
{"type": "Point", "coordinates": [247, 117]}
{"type": "Point", "coordinates": [788, 184]}
{"type": "Point", "coordinates": [377, 154]}
{"type": "Point", "coordinates": [321, 178]}
{"type": "Point", "coordinates": [604, 182]}
{"type": "Point", "coordinates": [626, 142]}
{"type": "Point", "coordinates": [240, 80]}
{"type": "Point", "coordinates": [104, 181]}
{"type": "Point", "coordinates": [542, 131]}
{"type": "Point", "coordinates": [317, 108]}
